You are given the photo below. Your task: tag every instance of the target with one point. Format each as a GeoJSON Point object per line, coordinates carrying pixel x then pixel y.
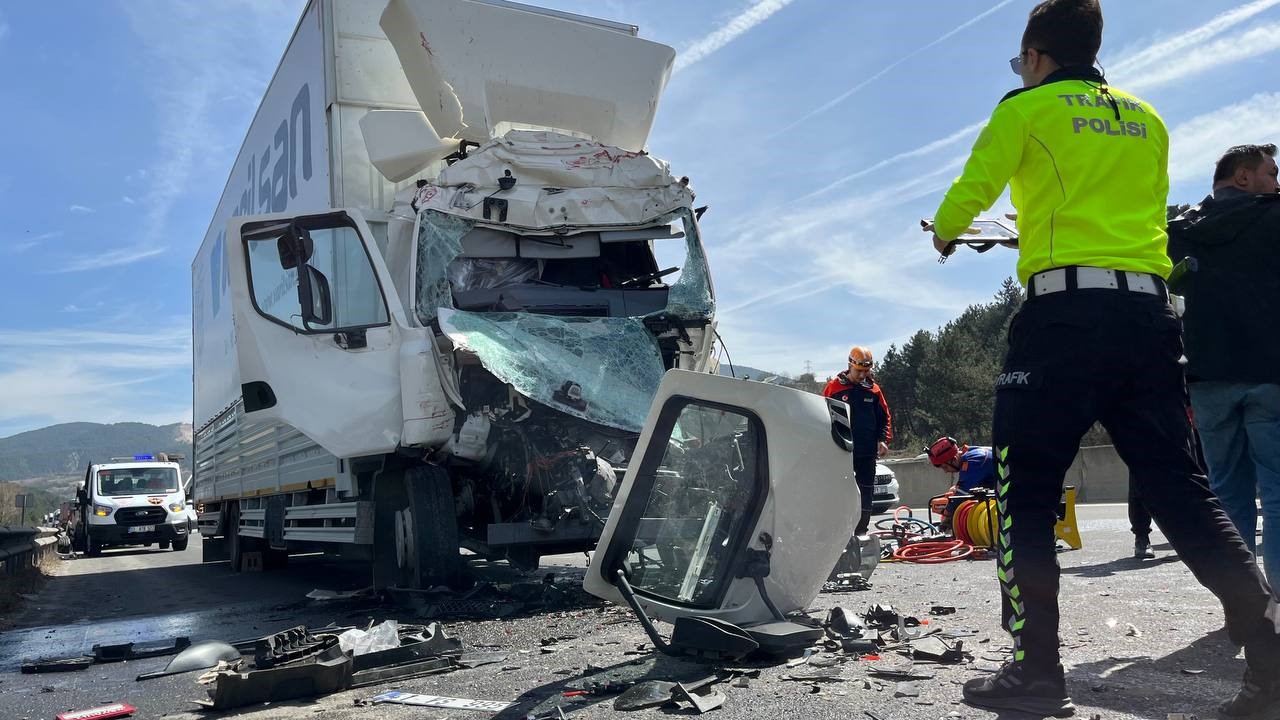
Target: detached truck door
{"type": "Point", "coordinates": [318, 329]}
{"type": "Point", "coordinates": [727, 469]}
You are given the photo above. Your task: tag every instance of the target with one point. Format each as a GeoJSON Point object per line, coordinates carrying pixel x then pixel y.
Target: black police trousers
{"type": "Point", "coordinates": [1113, 356]}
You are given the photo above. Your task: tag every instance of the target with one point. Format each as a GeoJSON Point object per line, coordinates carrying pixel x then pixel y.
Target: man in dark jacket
{"type": "Point", "coordinates": [1232, 345]}
{"type": "Point", "coordinates": [872, 424]}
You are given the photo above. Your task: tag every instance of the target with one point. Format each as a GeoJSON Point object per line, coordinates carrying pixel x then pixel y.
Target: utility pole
{"type": "Point", "coordinates": [808, 367]}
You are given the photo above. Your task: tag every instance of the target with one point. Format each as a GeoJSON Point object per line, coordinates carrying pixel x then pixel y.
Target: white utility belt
{"type": "Point", "coordinates": [1080, 277]}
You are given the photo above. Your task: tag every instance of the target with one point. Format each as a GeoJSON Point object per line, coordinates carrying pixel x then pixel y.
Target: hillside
{"type": "Point", "coordinates": [60, 450]}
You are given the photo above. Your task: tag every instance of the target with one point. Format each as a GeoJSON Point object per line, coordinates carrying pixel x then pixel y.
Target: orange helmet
{"type": "Point", "coordinates": [860, 356]}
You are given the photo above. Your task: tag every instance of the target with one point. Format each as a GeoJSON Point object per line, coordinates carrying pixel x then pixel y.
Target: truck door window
{"type": "Point", "coordinates": [703, 498]}
{"type": "Point", "coordinates": [337, 255]}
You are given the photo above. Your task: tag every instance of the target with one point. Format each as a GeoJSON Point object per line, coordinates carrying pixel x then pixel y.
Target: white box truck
{"type": "Point", "coordinates": [435, 301]}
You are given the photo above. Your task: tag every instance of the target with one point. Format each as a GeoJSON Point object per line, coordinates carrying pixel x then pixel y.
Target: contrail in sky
{"type": "Point", "coordinates": [749, 18]}
{"type": "Point", "coordinates": [841, 97]}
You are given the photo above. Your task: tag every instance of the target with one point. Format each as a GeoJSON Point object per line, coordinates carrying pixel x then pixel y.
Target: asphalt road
{"type": "Point", "coordinates": [1144, 639]}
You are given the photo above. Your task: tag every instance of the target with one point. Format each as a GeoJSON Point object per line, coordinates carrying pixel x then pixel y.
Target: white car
{"type": "Point", "coordinates": [886, 492]}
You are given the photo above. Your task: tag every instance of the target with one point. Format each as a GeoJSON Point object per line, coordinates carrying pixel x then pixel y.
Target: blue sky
{"type": "Point", "coordinates": [819, 133]}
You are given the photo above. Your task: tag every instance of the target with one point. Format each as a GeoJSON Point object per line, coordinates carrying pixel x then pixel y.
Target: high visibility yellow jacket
{"type": "Point", "coordinates": [1088, 170]}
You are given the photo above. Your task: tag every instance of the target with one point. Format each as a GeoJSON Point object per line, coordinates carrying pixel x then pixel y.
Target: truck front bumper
{"type": "Point", "coordinates": [122, 535]}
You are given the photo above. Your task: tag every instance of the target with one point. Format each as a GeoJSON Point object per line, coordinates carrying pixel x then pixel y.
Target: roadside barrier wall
{"type": "Point", "coordinates": [1098, 474]}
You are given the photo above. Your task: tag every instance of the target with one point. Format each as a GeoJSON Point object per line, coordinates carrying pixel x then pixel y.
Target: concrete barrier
{"type": "Point", "coordinates": [1098, 474]}
{"type": "Point", "coordinates": [24, 547]}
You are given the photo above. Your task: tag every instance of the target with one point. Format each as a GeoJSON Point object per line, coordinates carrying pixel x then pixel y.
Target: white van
{"type": "Point", "coordinates": [136, 502]}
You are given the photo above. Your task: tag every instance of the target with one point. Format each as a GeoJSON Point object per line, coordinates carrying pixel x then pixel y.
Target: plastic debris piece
{"type": "Point", "coordinates": [705, 701]}
{"type": "Point", "coordinates": [202, 655]}
{"type": "Point", "coordinates": [101, 712]}
{"type": "Point", "coordinates": [942, 610]}
{"type": "Point", "coordinates": [1131, 630]}
{"type": "Point", "coordinates": [400, 697]}
{"type": "Point", "coordinates": [52, 665]}
{"type": "Point", "coordinates": [383, 636]}
{"type": "Point", "coordinates": [328, 595]}
{"type": "Point", "coordinates": [1192, 671]}
{"type": "Point", "coordinates": [907, 689]}
{"type": "Point", "coordinates": [933, 649]}
{"type": "Point", "coordinates": [131, 651]}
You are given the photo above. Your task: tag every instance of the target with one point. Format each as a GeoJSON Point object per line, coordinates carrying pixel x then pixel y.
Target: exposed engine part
{"type": "Point", "coordinates": [471, 441]}
{"type": "Point", "coordinates": [518, 461]}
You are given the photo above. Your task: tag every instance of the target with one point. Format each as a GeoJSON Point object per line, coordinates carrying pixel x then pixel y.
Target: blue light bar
{"type": "Point", "coordinates": [140, 458]}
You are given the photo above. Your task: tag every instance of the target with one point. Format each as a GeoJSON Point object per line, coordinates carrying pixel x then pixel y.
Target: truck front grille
{"type": "Point", "coordinates": [140, 516]}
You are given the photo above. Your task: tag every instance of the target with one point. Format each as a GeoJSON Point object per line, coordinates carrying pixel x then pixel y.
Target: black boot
{"type": "Point", "coordinates": [1142, 549]}
{"type": "Point", "coordinates": [1257, 699]}
{"type": "Point", "coordinates": [1017, 686]}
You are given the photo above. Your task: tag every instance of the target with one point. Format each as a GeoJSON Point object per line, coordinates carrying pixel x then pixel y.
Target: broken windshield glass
{"type": "Point", "coordinates": [701, 500]}
{"type": "Point", "coordinates": [561, 318]}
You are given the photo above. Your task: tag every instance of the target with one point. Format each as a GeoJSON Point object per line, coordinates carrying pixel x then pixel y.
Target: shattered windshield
{"type": "Point", "coordinates": [701, 502]}
{"type": "Point", "coordinates": [562, 318]}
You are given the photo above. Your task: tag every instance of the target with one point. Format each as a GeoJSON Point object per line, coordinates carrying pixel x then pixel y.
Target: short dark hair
{"type": "Point", "coordinates": [1234, 158]}
{"type": "Point", "coordinates": [1069, 31]}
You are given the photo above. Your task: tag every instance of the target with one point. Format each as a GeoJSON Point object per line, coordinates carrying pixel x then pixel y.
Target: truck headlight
{"type": "Point", "coordinates": [176, 507]}
{"type": "Point", "coordinates": [101, 510]}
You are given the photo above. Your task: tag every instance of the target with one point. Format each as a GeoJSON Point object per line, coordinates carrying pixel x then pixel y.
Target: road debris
{"type": "Point", "coordinates": [200, 656]}
{"type": "Point", "coordinates": [655, 693]}
{"type": "Point", "coordinates": [383, 636]}
{"type": "Point", "coordinates": [101, 712]}
{"type": "Point", "coordinates": [53, 665]}
{"type": "Point", "coordinates": [400, 697]}
{"type": "Point", "coordinates": [320, 595]}
{"type": "Point", "coordinates": [131, 651]}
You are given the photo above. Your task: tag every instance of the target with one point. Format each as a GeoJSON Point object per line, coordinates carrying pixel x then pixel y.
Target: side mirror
{"type": "Point", "coordinates": [295, 247]}
{"type": "Point", "coordinates": [314, 297]}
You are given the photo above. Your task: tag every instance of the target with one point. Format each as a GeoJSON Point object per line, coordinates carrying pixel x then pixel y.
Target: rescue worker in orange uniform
{"type": "Point", "coordinates": [872, 423]}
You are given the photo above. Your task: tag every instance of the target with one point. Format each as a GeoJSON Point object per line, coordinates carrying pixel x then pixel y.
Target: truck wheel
{"type": "Point", "coordinates": [92, 548]}
{"type": "Point", "coordinates": [432, 525]}
{"type": "Point", "coordinates": [178, 545]}
{"type": "Point", "coordinates": [77, 541]}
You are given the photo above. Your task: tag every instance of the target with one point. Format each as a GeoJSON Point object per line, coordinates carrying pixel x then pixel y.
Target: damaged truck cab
{"type": "Point", "coordinates": [464, 357]}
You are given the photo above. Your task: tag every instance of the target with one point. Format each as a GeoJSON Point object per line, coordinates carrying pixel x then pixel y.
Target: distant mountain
{"type": "Point", "coordinates": [755, 374]}
{"type": "Point", "coordinates": [67, 448]}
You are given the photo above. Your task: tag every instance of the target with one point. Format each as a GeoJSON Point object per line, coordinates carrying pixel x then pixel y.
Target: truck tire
{"type": "Point", "coordinates": [434, 526]}
{"type": "Point", "coordinates": [178, 545]}
{"type": "Point", "coordinates": [77, 540]}
{"type": "Point", "coordinates": [92, 548]}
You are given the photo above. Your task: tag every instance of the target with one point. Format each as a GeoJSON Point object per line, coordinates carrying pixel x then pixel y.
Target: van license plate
{"type": "Point", "coordinates": [143, 528]}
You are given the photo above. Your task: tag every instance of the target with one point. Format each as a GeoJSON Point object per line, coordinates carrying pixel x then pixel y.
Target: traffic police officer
{"type": "Point", "coordinates": [1096, 340]}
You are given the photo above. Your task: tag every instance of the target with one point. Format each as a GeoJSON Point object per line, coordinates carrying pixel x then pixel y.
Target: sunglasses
{"type": "Point", "coordinates": [860, 363]}
{"type": "Point", "coordinates": [1015, 62]}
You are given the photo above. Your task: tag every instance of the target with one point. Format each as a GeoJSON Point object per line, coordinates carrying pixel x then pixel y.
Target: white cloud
{"type": "Point", "coordinates": [198, 73]}
{"type": "Point", "coordinates": [72, 308]}
{"type": "Point", "coordinates": [759, 11]}
{"type": "Point", "coordinates": [127, 200]}
{"type": "Point", "coordinates": [80, 209]}
{"type": "Point", "coordinates": [111, 258]}
{"type": "Point", "coordinates": [75, 374]}
{"type": "Point", "coordinates": [27, 243]}
{"type": "Point", "coordinates": [1251, 43]}
{"type": "Point", "coordinates": [886, 69]}
{"type": "Point", "coordinates": [1155, 55]}
{"type": "Point", "coordinates": [1196, 145]}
